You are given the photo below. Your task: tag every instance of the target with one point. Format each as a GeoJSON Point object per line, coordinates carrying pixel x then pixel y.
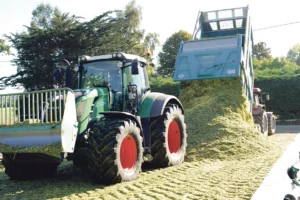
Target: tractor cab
{"type": "Point", "coordinates": [120, 79]}
{"type": "Point", "coordinates": [123, 76]}
{"type": "Point", "coordinates": [258, 96]}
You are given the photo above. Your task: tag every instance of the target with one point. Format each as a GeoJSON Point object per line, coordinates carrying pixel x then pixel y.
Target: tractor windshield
{"type": "Point", "coordinates": [102, 74]}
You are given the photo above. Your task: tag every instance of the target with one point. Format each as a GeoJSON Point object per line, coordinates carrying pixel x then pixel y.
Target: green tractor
{"type": "Point", "coordinates": [110, 125]}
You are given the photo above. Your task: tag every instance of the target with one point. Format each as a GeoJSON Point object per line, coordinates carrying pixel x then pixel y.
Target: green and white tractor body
{"type": "Point", "coordinates": [112, 115]}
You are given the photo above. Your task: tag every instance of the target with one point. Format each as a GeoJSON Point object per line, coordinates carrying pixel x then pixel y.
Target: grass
{"type": "Point", "coordinates": [226, 158]}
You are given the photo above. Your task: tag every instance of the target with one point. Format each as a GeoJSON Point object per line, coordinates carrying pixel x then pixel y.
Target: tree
{"type": "Point", "coordinates": [260, 51]}
{"type": "Point", "coordinates": [54, 36]}
{"type": "Point", "coordinates": [4, 48]}
{"type": "Point", "coordinates": [43, 16]}
{"type": "Point", "coordinates": [169, 51]}
{"type": "Point", "coordinates": [294, 54]}
{"type": "Point", "coordinates": [41, 47]}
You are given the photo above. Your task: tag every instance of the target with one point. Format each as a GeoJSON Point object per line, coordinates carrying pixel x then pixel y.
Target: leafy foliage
{"type": "Point", "coordinates": [42, 16]}
{"type": "Point", "coordinates": [164, 85]}
{"type": "Point", "coordinates": [4, 48]}
{"type": "Point", "coordinates": [284, 92]}
{"type": "Point", "coordinates": [261, 51]}
{"type": "Point", "coordinates": [280, 78]}
{"type": "Point", "coordinates": [294, 54]}
{"type": "Point", "coordinates": [169, 51]}
{"type": "Point", "coordinates": [54, 36]}
{"type": "Point", "coordinates": [274, 67]}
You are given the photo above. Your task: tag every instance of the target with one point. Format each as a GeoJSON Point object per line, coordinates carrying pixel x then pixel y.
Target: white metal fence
{"type": "Point", "coordinates": [45, 106]}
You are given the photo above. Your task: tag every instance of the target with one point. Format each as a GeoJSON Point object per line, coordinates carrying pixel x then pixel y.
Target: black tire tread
{"type": "Point", "coordinates": [158, 150]}
{"type": "Point", "coordinates": [100, 151]}
{"type": "Point", "coordinates": [270, 130]}
{"type": "Point", "coordinates": [258, 119]}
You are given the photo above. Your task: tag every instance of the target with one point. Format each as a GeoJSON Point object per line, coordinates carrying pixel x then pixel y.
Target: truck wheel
{"type": "Point", "coordinates": [262, 120]}
{"type": "Point", "coordinates": [115, 151]}
{"type": "Point", "coordinates": [168, 136]}
{"type": "Point", "coordinates": [271, 125]}
{"type": "Point", "coordinates": [28, 166]}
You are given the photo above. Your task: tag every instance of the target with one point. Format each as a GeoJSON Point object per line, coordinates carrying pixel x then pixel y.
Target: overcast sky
{"type": "Point", "coordinates": [166, 17]}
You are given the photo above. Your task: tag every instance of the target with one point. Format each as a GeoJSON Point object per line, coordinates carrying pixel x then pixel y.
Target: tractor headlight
{"type": "Point", "coordinates": [82, 59]}
{"type": "Point", "coordinates": [117, 55]}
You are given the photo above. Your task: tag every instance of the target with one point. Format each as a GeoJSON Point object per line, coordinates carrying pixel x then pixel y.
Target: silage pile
{"type": "Point", "coordinates": [218, 123]}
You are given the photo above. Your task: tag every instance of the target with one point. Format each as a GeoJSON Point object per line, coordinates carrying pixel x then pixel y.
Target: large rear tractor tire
{"type": "Point", "coordinates": [115, 151]}
{"type": "Point", "coordinates": [168, 137]}
{"type": "Point", "coordinates": [271, 124]}
{"type": "Point", "coordinates": [29, 166]}
{"type": "Point", "coordinates": [262, 120]}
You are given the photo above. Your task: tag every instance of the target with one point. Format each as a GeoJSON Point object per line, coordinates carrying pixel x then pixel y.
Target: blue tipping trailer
{"type": "Point", "coordinates": [221, 48]}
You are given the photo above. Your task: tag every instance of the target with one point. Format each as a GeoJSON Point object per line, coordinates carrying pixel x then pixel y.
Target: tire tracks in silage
{"type": "Point", "coordinates": [197, 180]}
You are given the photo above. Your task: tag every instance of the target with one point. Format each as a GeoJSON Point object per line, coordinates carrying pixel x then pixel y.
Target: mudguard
{"type": "Point", "coordinates": [116, 114]}
{"type": "Point", "coordinates": [154, 104]}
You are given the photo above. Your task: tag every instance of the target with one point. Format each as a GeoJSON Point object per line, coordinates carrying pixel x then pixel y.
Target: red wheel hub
{"type": "Point", "coordinates": [174, 137]}
{"type": "Point", "coordinates": [128, 152]}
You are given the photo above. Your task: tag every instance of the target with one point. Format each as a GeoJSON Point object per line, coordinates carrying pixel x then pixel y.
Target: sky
{"type": "Point", "coordinates": [165, 17]}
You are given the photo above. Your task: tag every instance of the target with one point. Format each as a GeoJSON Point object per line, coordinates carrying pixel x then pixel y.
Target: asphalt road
{"type": "Point", "coordinates": [285, 134]}
{"type": "Point", "coordinates": [277, 183]}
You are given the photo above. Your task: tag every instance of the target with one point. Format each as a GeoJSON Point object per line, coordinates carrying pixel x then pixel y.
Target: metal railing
{"type": "Point", "coordinates": [45, 106]}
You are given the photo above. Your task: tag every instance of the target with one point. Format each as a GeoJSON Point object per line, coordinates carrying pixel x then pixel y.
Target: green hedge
{"type": "Point", "coordinates": [285, 95]}
{"type": "Point", "coordinates": [164, 85]}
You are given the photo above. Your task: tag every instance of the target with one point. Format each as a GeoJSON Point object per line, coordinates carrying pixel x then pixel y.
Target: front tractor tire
{"type": "Point", "coordinates": [262, 120]}
{"type": "Point", "coordinates": [115, 151]}
{"type": "Point", "coordinates": [168, 136]}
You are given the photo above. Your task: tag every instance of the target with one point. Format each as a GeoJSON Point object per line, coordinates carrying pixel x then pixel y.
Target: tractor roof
{"type": "Point", "coordinates": [110, 56]}
{"type": "Point", "coordinates": [256, 90]}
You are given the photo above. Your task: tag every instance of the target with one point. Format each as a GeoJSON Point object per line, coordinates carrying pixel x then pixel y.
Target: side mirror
{"type": "Point", "coordinates": [131, 105]}
{"type": "Point", "coordinates": [267, 97]}
{"type": "Point", "coordinates": [134, 68]}
{"type": "Point", "coordinates": [56, 74]}
{"type": "Point", "coordinates": [132, 92]}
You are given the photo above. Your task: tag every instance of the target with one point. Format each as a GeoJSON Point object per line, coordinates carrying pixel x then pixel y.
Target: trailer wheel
{"type": "Point", "coordinates": [29, 166]}
{"type": "Point", "coordinates": [168, 136]}
{"type": "Point", "coordinates": [271, 125]}
{"type": "Point", "coordinates": [262, 120]}
{"type": "Point", "coordinates": [115, 151]}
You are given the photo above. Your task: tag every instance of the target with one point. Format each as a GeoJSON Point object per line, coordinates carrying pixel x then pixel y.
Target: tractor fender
{"type": "Point", "coordinates": [154, 103]}
{"type": "Point", "coordinates": [117, 114]}
{"type": "Point", "coordinates": [257, 109]}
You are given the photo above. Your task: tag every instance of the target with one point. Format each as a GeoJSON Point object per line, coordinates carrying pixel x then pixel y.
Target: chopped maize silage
{"type": "Point", "coordinates": [53, 149]}
{"type": "Point", "coordinates": [219, 125]}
